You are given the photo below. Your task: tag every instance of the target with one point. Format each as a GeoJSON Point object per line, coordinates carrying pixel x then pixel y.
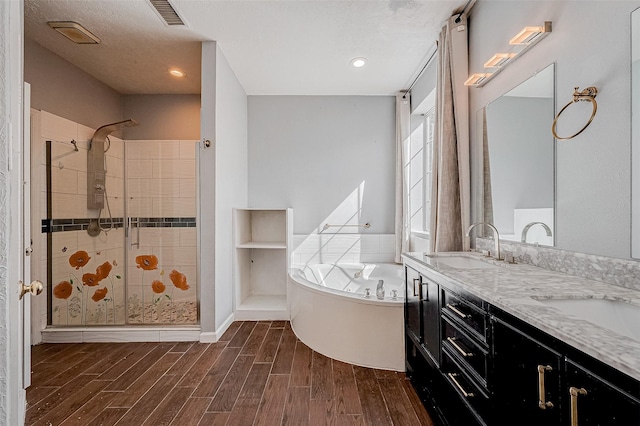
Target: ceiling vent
{"type": "Point", "coordinates": [166, 11]}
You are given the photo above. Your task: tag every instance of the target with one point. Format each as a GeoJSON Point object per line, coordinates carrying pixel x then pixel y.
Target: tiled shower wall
{"type": "Point", "coordinates": [161, 191]}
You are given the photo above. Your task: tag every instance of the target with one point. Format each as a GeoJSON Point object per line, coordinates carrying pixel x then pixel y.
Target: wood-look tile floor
{"type": "Point", "coordinates": [259, 373]}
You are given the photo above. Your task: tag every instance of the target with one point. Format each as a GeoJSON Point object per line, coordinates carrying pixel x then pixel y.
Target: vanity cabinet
{"type": "Point", "coordinates": [539, 380]}
{"type": "Point", "coordinates": [474, 364]}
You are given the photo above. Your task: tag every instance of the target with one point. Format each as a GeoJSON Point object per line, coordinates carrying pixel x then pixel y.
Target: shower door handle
{"type": "Point", "coordinates": [131, 223]}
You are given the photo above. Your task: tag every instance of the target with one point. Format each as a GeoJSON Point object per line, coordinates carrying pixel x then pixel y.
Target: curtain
{"type": "Point", "coordinates": [403, 134]}
{"type": "Point", "coordinates": [451, 181]}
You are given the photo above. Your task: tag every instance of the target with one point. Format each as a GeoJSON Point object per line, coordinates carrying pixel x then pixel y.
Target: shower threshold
{"type": "Point", "coordinates": [124, 333]}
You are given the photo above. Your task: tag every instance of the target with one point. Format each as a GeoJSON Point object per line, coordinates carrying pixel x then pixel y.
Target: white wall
{"type": "Point", "coordinates": [231, 176]}
{"type": "Point", "coordinates": [590, 44]}
{"type": "Point", "coordinates": [223, 185]}
{"type": "Point", "coordinates": [63, 89]}
{"type": "Point", "coordinates": [327, 157]}
{"type": "Point", "coordinates": [162, 117]}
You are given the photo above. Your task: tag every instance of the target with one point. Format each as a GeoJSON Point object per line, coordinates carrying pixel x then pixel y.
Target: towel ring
{"type": "Point", "coordinates": [587, 95]}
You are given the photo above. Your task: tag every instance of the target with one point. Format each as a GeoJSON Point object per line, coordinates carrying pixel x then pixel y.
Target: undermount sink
{"type": "Point", "coordinates": [615, 315]}
{"type": "Point", "coordinates": [463, 262]}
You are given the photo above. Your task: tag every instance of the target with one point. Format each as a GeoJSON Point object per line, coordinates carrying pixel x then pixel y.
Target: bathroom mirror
{"type": "Point", "coordinates": [520, 149]}
{"type": "Point", "coordinates": [635, 134]}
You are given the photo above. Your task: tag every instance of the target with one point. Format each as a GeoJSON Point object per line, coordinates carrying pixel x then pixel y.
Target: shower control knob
{"type": "Point", "coordinates": [99, 187]}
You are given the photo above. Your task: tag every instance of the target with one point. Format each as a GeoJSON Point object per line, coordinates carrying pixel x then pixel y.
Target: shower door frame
{"type": "Point", "coordinates": [131, 227]}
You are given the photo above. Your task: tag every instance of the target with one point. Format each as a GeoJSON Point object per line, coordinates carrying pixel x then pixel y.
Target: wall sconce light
{"type": "Point", "coordinates": [476, 79]}
{"type": "Point", "coordinates": [530, 35]}
{"type": "Point", "coordinates": [498, 60]}
{"type": "Point", "coordinates": [521, 42]}
{"type": "Point", "coordinates": [74, 32]}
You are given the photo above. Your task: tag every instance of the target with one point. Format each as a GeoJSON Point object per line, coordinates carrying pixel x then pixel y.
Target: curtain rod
{"type": "Point", "coordinates": [421, 71]}
{"type": "Point", "coordinates": [457, 20]}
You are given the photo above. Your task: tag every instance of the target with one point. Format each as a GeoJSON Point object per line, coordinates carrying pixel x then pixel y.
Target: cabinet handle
{"type": "Point", "coordinates": [574, 393]}
{"type": "Point", "coordinates": [466, 394]}
{"type": "Point", "coordinates": [542, 404]}
{"type": "Point", "coordinates": [416, 284]}
{"type": "Point", "coordinates": [457, 311]}
{"type": "Point", "coordinates": [458, 348]}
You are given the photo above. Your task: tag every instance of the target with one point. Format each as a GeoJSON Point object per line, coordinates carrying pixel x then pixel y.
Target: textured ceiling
{"type": "Point", "coordinates": [293, 47]}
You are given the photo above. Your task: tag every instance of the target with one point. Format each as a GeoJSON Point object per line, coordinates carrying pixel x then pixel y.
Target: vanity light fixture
{"type": "Point", "coordinates": [176, 72]}
{"type": "Point", "coordinates": [74, 32]}
{"type": "Point", "coordinates": [530, 35]}
{"type": "Point", "coordinates": [499, 59]}
{"type": "Point", "coordinates": [520, 43]}
{"type": "Point", "coordinates": [477, 79]}
{"type": "Point", "coordinates": [359, 62]}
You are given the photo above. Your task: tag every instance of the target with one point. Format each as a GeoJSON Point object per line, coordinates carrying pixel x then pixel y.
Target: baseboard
{"type": "Point", "coordinates": [212, 337]}
{"type": "Point", "coordinates": [122, 334]}
{"type": "Point", "coordinates": [257, 315]}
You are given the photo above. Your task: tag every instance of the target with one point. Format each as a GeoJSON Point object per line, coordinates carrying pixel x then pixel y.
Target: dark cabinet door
{"type": "Point", "coordinates": [526, 379]}
{"type": "Point", "coordinates": [412, 314]}
{"type": "Point", "coordinates": [593, 401]}
{"type": "Point", "coordinates": [431, 318]}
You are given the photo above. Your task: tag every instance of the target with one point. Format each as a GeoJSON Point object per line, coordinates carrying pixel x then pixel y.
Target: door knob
{"type": "Point", "coordinates": [35, 288]}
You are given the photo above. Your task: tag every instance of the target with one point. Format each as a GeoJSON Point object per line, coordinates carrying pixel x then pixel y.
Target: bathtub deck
{"type": "Point", "coordinates": [257, 374]}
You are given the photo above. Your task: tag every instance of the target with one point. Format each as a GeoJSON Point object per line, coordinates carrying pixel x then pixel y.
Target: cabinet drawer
{"type": "Point", "coordinates": [468, 353]}
{"type": "Point", "coordinates": [473, 396]}
{"type": "Point", "coordinates": [470, 316]}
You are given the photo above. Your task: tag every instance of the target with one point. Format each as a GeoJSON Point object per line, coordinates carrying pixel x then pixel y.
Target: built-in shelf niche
{"type": "Point", "coordinates": [261, 262]}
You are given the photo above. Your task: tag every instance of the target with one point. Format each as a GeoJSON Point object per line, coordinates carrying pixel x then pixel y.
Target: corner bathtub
{"type": "Point", "coordinates": [331, 315]}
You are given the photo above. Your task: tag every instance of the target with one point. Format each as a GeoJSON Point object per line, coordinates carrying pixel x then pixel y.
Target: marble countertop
{"type": "Point", "coordinates": [517, 289]}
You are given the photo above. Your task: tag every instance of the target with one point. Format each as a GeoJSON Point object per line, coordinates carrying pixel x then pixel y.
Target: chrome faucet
{"type": "Point", "coordinates": [496, 237]}
{"type": "Point", "coordinates": [380, 290]}
{"type": "Point", "coordinates": [529, 225]}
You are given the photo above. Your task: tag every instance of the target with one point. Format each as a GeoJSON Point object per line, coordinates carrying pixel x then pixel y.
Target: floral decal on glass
{"type": "Point", "coordinates": [90, 297]}
{"type": "Point", "coordinates": [147, 262]}
{"type": "Point", "coordinates": [78, 304]}
{"type": "Point", "coordinates": [79, 259]}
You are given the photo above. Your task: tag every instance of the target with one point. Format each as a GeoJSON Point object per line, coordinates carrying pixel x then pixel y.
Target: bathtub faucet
{"type": "Point", "coordinates": [380, 290]}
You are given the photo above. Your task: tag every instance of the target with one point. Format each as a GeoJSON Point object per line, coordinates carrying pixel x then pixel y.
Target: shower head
{"type": "Point", "coordinates": [101, 134]}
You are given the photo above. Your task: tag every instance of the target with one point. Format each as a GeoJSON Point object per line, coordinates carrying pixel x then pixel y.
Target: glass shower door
{"type": "Point", "coordinates": [161, 232]}
{"type": "Point", "coordinates": [85, 247]}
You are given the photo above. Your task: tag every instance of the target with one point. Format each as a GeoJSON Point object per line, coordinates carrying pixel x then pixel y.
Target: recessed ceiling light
{"type": "Point", "coordinates": [176, 72]}
{"type": "Point", "coordinates": [359, 62]}
{"type": "Point", "coordinates": [74, 32]}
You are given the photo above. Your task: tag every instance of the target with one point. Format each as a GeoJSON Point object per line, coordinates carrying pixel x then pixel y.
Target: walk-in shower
{"type": "Point", "coordinates": [121, 230]}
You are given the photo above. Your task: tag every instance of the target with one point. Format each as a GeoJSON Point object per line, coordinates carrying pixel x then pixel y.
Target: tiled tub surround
{"type": "Point", "coordinates": [160, 191]}
{"type": "Point", "coordinates": [620, 272]}
{"type": "Point", "coordinates": [514, 288]}
{"type": "Point", "coordinates": [343, 248]}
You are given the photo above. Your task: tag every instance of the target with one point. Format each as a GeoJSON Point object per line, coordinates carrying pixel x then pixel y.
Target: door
{"type": "Point", "coordinates": [431, 318]}
{"type": "Point", "coordinates": [593, 401]}
{"type": "Point", "coordinates": [19, 256]}
{"type": "Point", "coordinates": [412, 303]}
{"type": "Point", "coordinates": [527, 378]}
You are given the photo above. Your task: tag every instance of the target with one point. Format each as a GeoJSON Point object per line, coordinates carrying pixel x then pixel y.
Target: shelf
{"type": "Point", "coordinates": [263, 307]}
{"type": "Point", "coordinates": [261, 259]}
{"type": "Point", "coordinates": [263, 245]}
